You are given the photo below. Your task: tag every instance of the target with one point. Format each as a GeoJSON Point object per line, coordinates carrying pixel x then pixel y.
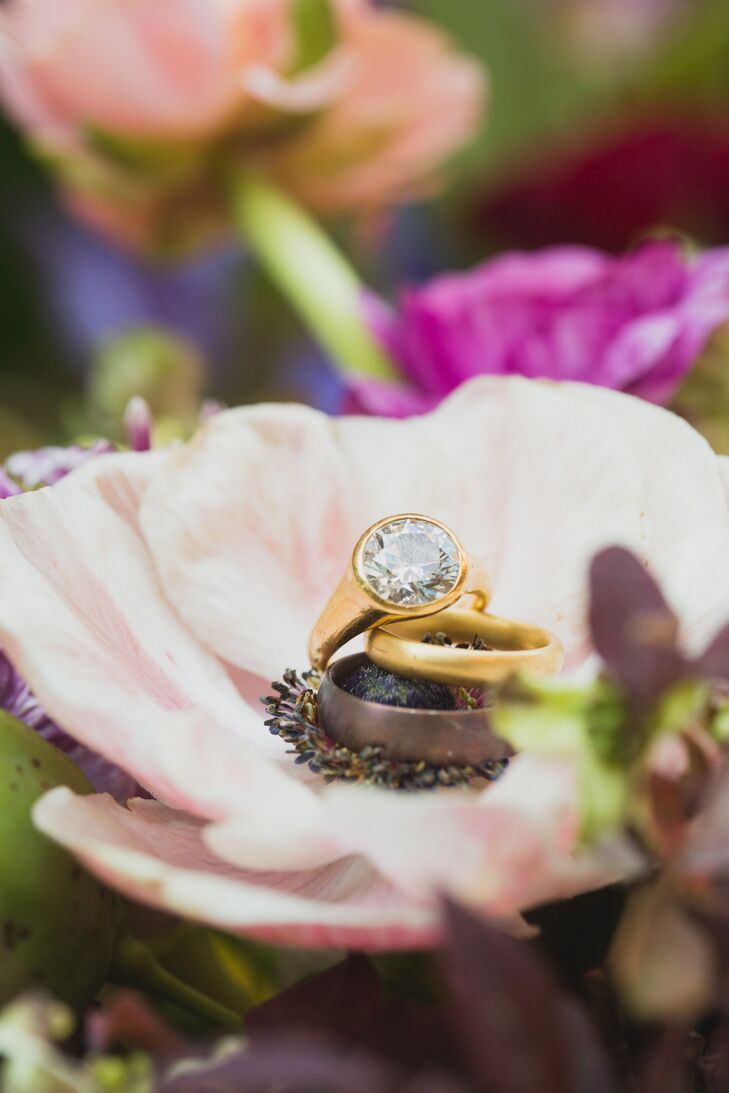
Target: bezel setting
{"type": "Point", "coordinates": [426, 606]}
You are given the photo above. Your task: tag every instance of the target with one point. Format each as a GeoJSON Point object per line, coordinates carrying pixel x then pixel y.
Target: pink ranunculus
{"type": "Point", "coordinates": [139, 106]}
{"type": "Point", "coordinates": [149, 598]}
{"type": "Point", "coordinates": [635, 323]}
{"type": "Point", "coordinates": [172, 70]}
{"type": "Point", "coordinates": [412, 103]}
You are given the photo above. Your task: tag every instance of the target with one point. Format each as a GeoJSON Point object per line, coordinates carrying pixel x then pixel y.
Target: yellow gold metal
{"type": "Point", "coordinates": [355, 608]}
{"type": "Point", "coordinates": [513, 647]}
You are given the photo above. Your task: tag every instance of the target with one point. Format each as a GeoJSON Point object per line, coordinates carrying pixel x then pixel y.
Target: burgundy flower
{"type": "Point", "coordinates": [635, 323]}
{"type": "Point", "coordinates": [658, 171]}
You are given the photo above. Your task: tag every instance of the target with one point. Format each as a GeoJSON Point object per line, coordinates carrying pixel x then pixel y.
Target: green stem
{"type": "Point", "coordinates": [311, 273]}
{"type": "Point", "coordinates": [135, 966]}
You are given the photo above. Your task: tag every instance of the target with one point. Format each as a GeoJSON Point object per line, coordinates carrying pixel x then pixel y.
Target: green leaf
{"type": "Point", "coordinates": [606, 740]}
{"type": "Point", "coordinates": [58, 923]}
{"type": "Point", "coordinates": [720, 723]}
{"type": "Point", "coordinates": [547, 717]}
{"type": "Point", "coordinates": [315, 31]}
{"type": "Point", "coordinates": [687, 701]}
{"type": "Point", "coordinates": [136, 966]}
{"type": "Point", "coordinates": [154, 160]}
{"type": "Point", "coordinates": [535, 96]}
{"type": "Point", "coordinates": [694, 64]}
{"type": "Point", "coordinates": [163, 368]}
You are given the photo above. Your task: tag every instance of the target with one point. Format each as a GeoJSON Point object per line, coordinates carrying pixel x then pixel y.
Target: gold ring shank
{"type": "Point", "coordinates": [477, 584]}
{"type": "Point", "coordinates": [354, 609]}
{"type": "Point", "coordinates": [349, 612]}
{"type": "Point", "coordinates": [513, 647]}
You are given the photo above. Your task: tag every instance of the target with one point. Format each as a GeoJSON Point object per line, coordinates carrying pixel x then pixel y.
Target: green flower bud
{"type": "Point", "coordinates": [57, 924]}
{"type": "Point", "coordinates": [165, 370]}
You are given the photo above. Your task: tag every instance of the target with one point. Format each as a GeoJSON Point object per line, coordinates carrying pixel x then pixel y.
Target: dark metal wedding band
{"type": "Point", "coordinates": [438, 737]}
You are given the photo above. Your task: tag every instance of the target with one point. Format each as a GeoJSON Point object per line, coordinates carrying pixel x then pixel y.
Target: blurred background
{"type": "Point", "coordinates": [608, 120]}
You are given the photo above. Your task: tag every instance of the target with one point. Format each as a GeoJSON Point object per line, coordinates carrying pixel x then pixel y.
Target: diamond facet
{"type": "Point", "coordinates": [410, 562]}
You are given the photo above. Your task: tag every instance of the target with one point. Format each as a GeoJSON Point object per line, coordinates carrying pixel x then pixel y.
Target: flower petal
{"type": "Point", "coordinates": [379, 142]}
{"type": "Point", "coordinates": [505, 849]}
{"type": "Point", "coordinates": [84, 621]}
{"type": "Point", "coordinates": [247, 526]}
{"type": "Point", "coordinates": [724, 472]}
{"type": "Point", "coordinates": [252, 524]}
{"type": "Point", "coordinates": [81, 67]}
{"type": "Point", "coordinates": [636, 323]}
{"type": "Point", "coordinates": [305, 93]}
{"type": "Point", "coordinates": [156, 855]}
{"type": "Point", "coordinates": [695, 583]}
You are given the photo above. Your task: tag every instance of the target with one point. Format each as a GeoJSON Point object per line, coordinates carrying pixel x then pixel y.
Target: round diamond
{"type": "Point", "coordinates": [410, 562]}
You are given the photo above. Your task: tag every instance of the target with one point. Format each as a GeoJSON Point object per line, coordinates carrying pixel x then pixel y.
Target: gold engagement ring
{"type": "Point", "coordinates": [401, 587]}
{"type": "Point", "coordinates": [403, 568]}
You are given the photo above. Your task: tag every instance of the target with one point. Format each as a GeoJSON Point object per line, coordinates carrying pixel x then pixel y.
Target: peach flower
{"type": "Point", "coordinates": [149, 598]}
{"type": "Point", "coordinates": [142, 108]}
{"type": "Point", "coordinates": [169, 70]}
{"type": "Point", "coordinates": [410, 105]}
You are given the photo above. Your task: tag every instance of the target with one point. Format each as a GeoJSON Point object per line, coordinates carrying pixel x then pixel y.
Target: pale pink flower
{"type": "Point", "coordinates": [145, 108]}
{"type": "Point", "coordinates": [149, 598]}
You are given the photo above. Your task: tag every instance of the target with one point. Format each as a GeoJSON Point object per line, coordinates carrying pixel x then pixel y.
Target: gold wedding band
{"type": "Point", "coordinates": [511, 647]}
{"type": "Point", "coordinates": [403, 568]}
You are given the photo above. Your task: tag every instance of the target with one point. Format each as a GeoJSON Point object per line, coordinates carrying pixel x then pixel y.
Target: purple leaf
{"type": "Point", "coordinates": [633, 628]}
{"type": "Point", "coordinates": [521, 1034]}
{"type": "Point", "coordinates": [714, 662]}
{"type": "Point", "coordinates": [340, 1003]}
{"type": "Point", "coordinates": [575, 934]}
{"type": "Point", "coordinates": [716, 1063]}
{"type": "Point", "coordinates": [346, 1003]}
{"type": "Point", "coordinates": [283, 1065]}
{"type": "Point", "coordinates": [286, 1065]}
{"type": "Point", "coordinates": [665, 1070]}
{"type": "Point", "coordinates": [706, 851]}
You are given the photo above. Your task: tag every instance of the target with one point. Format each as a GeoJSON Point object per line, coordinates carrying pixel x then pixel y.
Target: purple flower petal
{"type": "Point", "coordinates": [46, 466]}
{"type": "Point", "coordinates": [636, 323]}
{"type": "Point", "coordinates": [138, 424]}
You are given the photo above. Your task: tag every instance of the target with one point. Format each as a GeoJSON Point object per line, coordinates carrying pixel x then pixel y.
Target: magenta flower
{"type": "Point", "coordinates": [635, 323]}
